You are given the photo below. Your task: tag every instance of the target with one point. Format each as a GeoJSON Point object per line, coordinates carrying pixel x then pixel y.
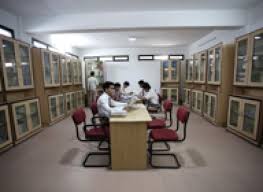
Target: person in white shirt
{"type": "Point", "coordinates": [92, 88]}
{"type": "Point", "coordinates": [150, 97]}
{"type": "Point", "coordinates": [105, 103]}
{"type": "Point", "coordinates": [141, 93]}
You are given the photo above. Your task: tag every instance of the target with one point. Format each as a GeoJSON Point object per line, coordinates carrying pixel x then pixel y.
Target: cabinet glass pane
{"type": "Point", "coordinates": [241, 60]}
{"type": "Point", "coordinates": [174, 70]}
{"type": "Point", "coordinates": [80, 73]}
{"type": "Point", "coordinates": [3, 127]}
{"type": "Point", "coordinates": [165, 94]}
{"type": "Point", "coordinates": [206, 104]}
{"type": "Point", "coordinates": [75, 103]}
{"type": "Point", "coordinates": [188, 97]}
{"type": "Point", "coordinates": [196, 69]}
{"type": "Point", "coordinates": [21, 119]}
{"type": "Point", "coordinates": [257, 61]}
{"type": "Point", "coordinates": [189, 70]}
{"type": "Point", "coordinates": [69, 70]}
{"type": "Point", "coordinates": [234, 113]}
{"type": "Point", "coordinates": [64, 71]}
{"type": "Point", "coordinates": [199, 101]}
{"type": "Point", "coordinates": [25, 65]}
{"type": "Point", "coordinates": [53, 105]}
{"type": "Point", "coordinates": [249, 118]}
{"type": "Point", "coordinates": [165, 65]}
{"type": "Point", "coordinates": [194, 99]}
{"type": "Point", "coordinates": [10, 64]}
{"type": "Point", "coordinates": [174, 95]}
{"type": "Point", "coordinates": [212, 107]}
{"type": "Point", "coordinates": [55, 61]}
{"type": "Point", "coordinates": [34, 114]}
{"type": "Point", "coordinates": [217, 63]}
{"type": "Point", "coordinates": [48, 79]}
{"type": "Point", "coordinates": [210, 65]}
{"type": "Point", "coordinates": [68, 103]}
{"type": "Point", "coordinates": [61, 105]}
{"type": "Point", "coordinates": [202, 67]}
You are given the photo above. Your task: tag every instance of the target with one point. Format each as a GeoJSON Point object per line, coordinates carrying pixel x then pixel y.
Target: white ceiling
{"type": "Point", "coordinates": [53, 7]}
{"type": "Point", "coordinates": [145, 38]}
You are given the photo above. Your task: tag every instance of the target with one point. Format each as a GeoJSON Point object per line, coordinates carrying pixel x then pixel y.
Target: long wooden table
{"type": "Point", "coordinates": [129, 139]}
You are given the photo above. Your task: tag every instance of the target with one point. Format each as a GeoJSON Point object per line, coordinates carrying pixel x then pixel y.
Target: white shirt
{"type": "Point", "coordinates": [92, 83]}
{"type": "Point", "coordinates": [152, 97]}
{"type": "Point", "coordinates": [106, 105]}
{"type": "Point", "coordinates": [141, 93]}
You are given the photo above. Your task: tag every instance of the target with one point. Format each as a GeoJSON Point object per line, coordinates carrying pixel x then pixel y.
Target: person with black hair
{"type": "Point", "coordinates": [106, 103]}
{"type": "Point", "coordinates": [92, 88]}
{"type": "Point", "coordinates": [141, 93]}
{"type": "Point", "coordinates": [117, 94]}
{"type": "Point", "coordinates": [150, 97]}
{"type": "Point", "coordinates": [124, 91]}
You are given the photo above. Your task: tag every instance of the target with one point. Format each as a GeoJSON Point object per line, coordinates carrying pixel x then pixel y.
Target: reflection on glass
{"type": "Point", "coordinates": [217, 63]}
{"type": "Point", "coordinates": [212, 107]}
{"type": "Point", "coordinates": [10, 64]}
{"type": "Point", "coordinates": [69, 71]}
{"type": "Point", "coordinates": [206, 104]}
{"type": "Point", "coordinates": [64, 71]}
{"type": "Point", "coordinates": [25, 65]}
{"type": "Point", "coordinates": [21, 119]}
{"type": "Point", "coordinates": [202, 67]}
{"type": "Point", "coordinates": [53, 105]}
{"type": "Point", "coordinates": [241, 60]}
{"type": "Point", "coordinates": [257, 61]}
{"type": "Point", "coordinates": [68, 103]}
{"type": "Point", "coordinates": [34, 114]}
{"type": "Point", "coordinates": [61, 105]}
{"type": "Point", "coordinates": [249, 118]}
{"type": "Point", "coordinates": [165, 94]}
{"type": "Point", "coordinates": [234, 113]}
{"type": "Point", "coordinates": [174, 70]}
{"type": "Point", "coordinates": [174, 95]}
{"type": "Point", "coordinates": [194, 99]}
{"type": "Point", "coordinates": [210, 65]}
{"type": "Point", "coordinates": [165, 70]}
{"type": "Point", "coordinates": [55, 61]}
{"type": "Point", "coordinates": [47, 68]}
{"type": "Point", "coordinates": [199, 101]}
{"type": "Point", "coordinates": [3, 128]}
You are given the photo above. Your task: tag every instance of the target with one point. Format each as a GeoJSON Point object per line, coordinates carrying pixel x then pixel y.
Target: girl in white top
{"type": "Point", "coordinates": [150, 97]}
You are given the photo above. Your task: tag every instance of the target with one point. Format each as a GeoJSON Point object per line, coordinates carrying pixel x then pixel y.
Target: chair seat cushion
{"type": "Point", "coordinates": [164, 135]}
{"type": "Point", "coordinates": [156, 124]}
{"type": "Point", "coordinates": [95, 133]}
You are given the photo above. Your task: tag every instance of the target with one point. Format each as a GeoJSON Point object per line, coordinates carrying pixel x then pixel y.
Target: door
{"type": "Point", "coordinates": [53, 108]}
{"type": "Point", "coordinates": [10, 65]}
{"type": "Point", "coordinates": [5, 129]}
{"type": "Point", "coordinates": [174, 95]}
{"type": "Point", "coordinates": [256, 67]}
{"type": "Point", "coordinates": [165, 70]}
{"type": "Point", "coordinates": [206, 104]}
{"type": "Point", "coordinates": [234, 111]}
{"type": "Point", "coordinates": [174, 70]}
{"type": "Point", "coordinates": [34, 114]}
{"type": "Point", "coordinates": [241, 61]}
{"type": "Point", "coordinates": [24, 57]}
{"type": "Point", "coordinates": [20, 112]}
{"type": "Point", "coordinates": [213, 107]}
{"type": "Point", "coordinates": [250, 118]}
{"type": "Point", "coordinates": [47, 68]}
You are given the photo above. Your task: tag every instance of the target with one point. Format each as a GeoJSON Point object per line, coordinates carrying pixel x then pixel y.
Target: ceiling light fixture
{"type": "Point", "coordinates": [257, 37]}
{"type": "Point", "coordinates": [132, 39]}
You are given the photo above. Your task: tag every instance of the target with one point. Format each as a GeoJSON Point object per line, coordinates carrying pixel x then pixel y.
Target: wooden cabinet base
{"type": "Point", "coordinates": [243, 136]}
{"type": "Point", "coordinates": [29, 135]}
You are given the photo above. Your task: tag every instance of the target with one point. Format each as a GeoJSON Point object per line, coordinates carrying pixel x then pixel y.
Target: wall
{"type": "Point", "coordinates": [134, 70]}
{"type": "Point", "coordinates": [255, 21]}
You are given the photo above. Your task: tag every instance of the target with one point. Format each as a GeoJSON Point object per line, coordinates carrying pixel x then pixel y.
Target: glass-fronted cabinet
{"type": "Point", "coordinates": [51, 68]}
{"type": "Point", "coordinates": [214, 65]}
{"type": "Point", "coordinates": [170, 94]}
{"type": "Point", "coordinates": [26, 117]}
{"type": "Point", "coordinates": [68, 102]}
{"type": "Point", "coordinates": [165, 93]}
{"type": "Point", "coordinates": [56, 107]}
{"type": "Point", "coordinates": [243, 116]}
{"type": "Point", "coordinates": [197, 100]}
{"type": "Point", "coordinates": [5, 129]}
{"type": "Point", "coordinates": [200, 63]}
{"type": "Point", "coordinates": [189, 66]}
{"type": "Point", "coordinates": [210, 106]}
{"type": "Point", "coordinates": [170, 70]}
{"type": "Point", "coordinates": [16, 63]}
{"type": "Point", "coordinates": [80, 99]}
{"type": "Point", "coordinates": [77, 76]}
{"type": "Point", "coordinates": [66, 70]}
{"type": "Point", "coordinates": [187, 97]}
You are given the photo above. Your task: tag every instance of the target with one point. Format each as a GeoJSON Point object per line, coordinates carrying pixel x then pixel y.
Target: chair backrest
{"type": "Point", "coordinates": [79, 116]}
{"type": "Point", "coordinates": [167, 106]}
{"type": "Point", "coordinates": [94, 108]}
{"type": "Point", "coordinates": [160, 98]}
{"type": "Point", "coordinates": [182, 117]}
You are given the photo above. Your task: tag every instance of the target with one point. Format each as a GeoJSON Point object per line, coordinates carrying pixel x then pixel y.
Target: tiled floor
{"type": "Point", "coordinates": [212, 159]}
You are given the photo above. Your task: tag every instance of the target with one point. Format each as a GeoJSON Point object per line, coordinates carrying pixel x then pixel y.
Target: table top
{"type": "Point", "coordinates": [139, 114]}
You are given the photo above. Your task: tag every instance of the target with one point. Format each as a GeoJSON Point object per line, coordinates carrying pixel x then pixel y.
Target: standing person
{"type": "Point", "coordinates": [92, 88]}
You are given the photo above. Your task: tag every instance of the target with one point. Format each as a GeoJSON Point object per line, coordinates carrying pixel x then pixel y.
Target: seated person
{"type": "Point", "coordinates": [105, 102]}
{"type": "Point", "coordinates": [150, 98]}
{"type": "Point", "coordinates": [124, 90]}
{"type": "Point", "coordinates": [141, 93]}
{"type": "Point", "coordinates": [117, 94]}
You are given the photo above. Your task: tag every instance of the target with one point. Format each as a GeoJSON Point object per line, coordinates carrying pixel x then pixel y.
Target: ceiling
{"type": "Point", "coordinates": [144, 38]}
{"type": "Point", "coordinates": [53, 7]}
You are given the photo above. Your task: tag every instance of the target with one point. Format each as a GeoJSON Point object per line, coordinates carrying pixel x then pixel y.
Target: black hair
{"type": "Point", "coordinates": [146, 86]}
{"type": "Point", "coordinates": [107, 84]}
{"type": "Point", "coordinates": [126, 83]}
{"type": "Point", "coordinates": [141, 82]}
{"type": "Point", "coordinates": [92, 73]}
{"type": "Point", "coordinates": [117, 84]}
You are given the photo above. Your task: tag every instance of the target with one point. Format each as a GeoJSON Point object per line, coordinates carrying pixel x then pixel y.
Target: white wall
{"type": "Point", "coordinates": [134, 70]}
{"type": "Point", "coordinates": [255, 21]}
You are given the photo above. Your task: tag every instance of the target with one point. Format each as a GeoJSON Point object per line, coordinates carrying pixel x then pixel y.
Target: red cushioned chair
{"type": "Point", "coordinates": [92, 132]}
{"type": "Point", "coordinates": [168, 135]}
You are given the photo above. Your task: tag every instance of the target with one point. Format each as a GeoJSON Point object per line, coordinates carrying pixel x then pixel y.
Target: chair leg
{"type": "Point", "coordinates": [103, 148]}
{"type": "Point", "coordinates": [95, 154]}
{"type": "Point", "coordinates": [176, 166]}
{"type": "Point", "coordinates": [165, 149]}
